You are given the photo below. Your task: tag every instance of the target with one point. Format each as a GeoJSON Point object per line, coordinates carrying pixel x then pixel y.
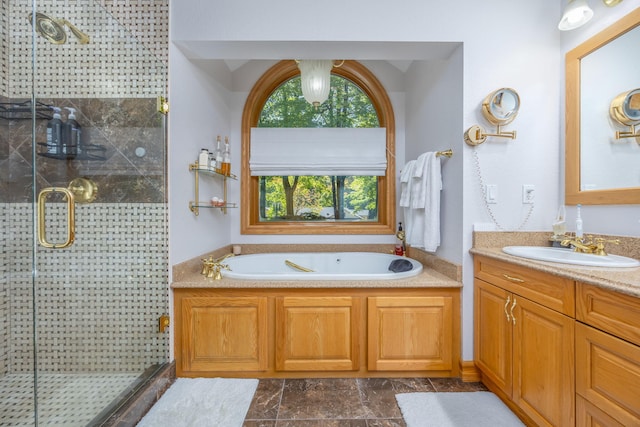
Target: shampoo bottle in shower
{"type": "Point", "coordinates": [54, 133]}
{"type": "Point", "coordinates": [72, 135]}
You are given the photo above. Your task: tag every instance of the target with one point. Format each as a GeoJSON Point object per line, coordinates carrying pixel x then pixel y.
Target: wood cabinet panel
{"type": "Point", "coordinates": [608, 374]}
{"type": "Point", "coordinates": [543, 367]}
{"type": "Point", "coordinates": [613, 312]}
{"type": "Point", "coordinates": [304, 333]}
{"type": "Point", "coordinates": [410, 333]}
{"type": "Point", "coordinates": [493, 334]}
{"type": "Point", "coordinates": [317, 333]}
{"type": "Point", "coordinates": [524, 348]}
{"type": "Point", "coordinates": [221, 333]}
{"type": "Point", "coordinates": [588, 415]}
{"type": "Point", "coordinates": [551, 291]}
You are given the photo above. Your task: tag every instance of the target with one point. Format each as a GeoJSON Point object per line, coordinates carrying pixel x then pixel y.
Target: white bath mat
{"type": "Point", "coordinates": [202, 402]}
{"type": "Point", "coordinates": [477, 409]}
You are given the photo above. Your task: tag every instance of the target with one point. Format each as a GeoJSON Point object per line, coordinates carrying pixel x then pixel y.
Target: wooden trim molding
{"type": "Point", "coordinates": [264, 87]}
{"type": "Point", "coordinates": [469, 373]}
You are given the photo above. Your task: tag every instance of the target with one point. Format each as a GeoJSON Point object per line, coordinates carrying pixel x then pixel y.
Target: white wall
{"type": "Point", "coordinates": [433, 121]}
{"type": "Point", "coordinates": [199, 112]}
{"type": "Point", "coordinates": [505, 44]}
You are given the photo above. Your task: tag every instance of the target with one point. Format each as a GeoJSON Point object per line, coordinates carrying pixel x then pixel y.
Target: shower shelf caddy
{"type": "Point", "coordinates": [195, 206]}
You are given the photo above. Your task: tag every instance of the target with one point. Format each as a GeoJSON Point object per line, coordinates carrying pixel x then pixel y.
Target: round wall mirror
{"type": "Point", "coordinates": [501, 106]}
{"type": "Point", "coordinates": [625, 108]}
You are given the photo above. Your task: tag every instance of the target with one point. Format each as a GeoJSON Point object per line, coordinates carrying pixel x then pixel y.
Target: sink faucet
{"type": "Point", "coordinates": [593, 246]}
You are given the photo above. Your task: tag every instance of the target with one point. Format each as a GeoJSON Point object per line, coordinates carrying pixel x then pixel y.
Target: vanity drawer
{"type": "Point", "coordinates": [551, 291]}
{"type": "Point", "coordinates": [608, 374]}
{"type": "Point", "coordinates": [610, 311]}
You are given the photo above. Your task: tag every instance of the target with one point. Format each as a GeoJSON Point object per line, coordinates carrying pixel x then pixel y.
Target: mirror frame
{"type": "Point", "coordinates": [573, 194]}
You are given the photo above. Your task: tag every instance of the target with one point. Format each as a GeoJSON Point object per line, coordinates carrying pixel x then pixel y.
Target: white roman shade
{"type": "Point", "coordinates": [318, 151]}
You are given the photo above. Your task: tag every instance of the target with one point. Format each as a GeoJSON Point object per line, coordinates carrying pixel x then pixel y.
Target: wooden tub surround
{"type": "Point", "coordinates": [243, 328]}
{"type": "Point", "coordinates": [559, 344]}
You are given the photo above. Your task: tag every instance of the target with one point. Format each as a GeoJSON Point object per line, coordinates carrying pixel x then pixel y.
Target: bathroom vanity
{"type": "Point", "coordinates": [559, 344]}
{"type": "Point", "coordinates": [243, 328]}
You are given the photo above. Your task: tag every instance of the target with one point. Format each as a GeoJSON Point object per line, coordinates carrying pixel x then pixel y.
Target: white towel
{"type": "Point", "coordinates": [423, 220]}
{"type": "Point", "coordinates": [405, 183]}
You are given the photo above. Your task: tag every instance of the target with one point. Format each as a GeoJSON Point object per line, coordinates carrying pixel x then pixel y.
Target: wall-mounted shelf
{"type": "Point", "coordinates": [25, 111]}
{"type": "Point", "coordinates": [89, 152]}
{"type": "Point", "coordinates": [195, 206]}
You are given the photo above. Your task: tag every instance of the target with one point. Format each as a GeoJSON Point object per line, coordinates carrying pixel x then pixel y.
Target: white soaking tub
{"type": "Point", "coordinates": [319, 266]}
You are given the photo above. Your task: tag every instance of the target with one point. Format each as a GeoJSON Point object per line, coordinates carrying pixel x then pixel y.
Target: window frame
{"type": "Point", "coordinates": [261, 91]}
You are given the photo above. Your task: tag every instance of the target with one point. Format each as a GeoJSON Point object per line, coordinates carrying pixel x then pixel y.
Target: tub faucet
{"type": "Point", "coordinates": [212, 269]}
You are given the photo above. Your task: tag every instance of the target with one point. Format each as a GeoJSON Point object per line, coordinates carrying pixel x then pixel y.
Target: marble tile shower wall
{"type": "Point", "coordinates": [126, 55]}
{"type": "Point", "coordinates": [120, 126]}
{"type": "Point", "coordinates": [4, 294]}
{"type": "Point", "coordinates": [99, 300]}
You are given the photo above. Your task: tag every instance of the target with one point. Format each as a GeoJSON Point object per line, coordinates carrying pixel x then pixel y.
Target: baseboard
{"type": "Point", "coordinates": [468, 372]}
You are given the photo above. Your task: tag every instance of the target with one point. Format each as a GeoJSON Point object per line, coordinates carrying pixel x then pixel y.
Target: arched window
{"type": "Point", "coordinates": [326, 204]}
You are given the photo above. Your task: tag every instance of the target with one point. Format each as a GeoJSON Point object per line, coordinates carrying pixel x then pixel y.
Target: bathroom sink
{"type": "Point", "coordinates": [568, 256]}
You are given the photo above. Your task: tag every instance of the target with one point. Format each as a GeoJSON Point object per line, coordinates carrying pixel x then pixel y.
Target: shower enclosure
{"type": "Point", "coordinates": [83, 255]}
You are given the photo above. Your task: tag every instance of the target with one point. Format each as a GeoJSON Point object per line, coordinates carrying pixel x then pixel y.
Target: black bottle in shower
{"type": "Point", "coordinates": [72, 135]}
{"type": "Point", "coordinates": [54, 133]}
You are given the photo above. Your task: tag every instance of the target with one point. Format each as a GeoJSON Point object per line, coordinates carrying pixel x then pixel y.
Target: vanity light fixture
{"type": "Point", "coordinates": [499, 108]}
{"type": "Point", "coordinates": [315, 77]}
{"type": "Point", "coordinates": [576, 14]}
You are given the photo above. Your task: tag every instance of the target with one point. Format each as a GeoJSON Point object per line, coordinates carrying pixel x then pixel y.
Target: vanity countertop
{"type": "Point", "coordinates": [624, 280]}
{"type": "Point", "coordinates": [427, 279]}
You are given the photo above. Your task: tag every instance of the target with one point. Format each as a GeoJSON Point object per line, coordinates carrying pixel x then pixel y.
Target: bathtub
{"type": "Point", "coordinates": [322, 266]}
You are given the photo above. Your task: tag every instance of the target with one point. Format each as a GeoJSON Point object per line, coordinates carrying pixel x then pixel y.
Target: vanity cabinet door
{"type": "Point", "coordinates": [411, 333]}
{"type": "Point", "coordinates": [317, 333]}
{"type": "Point", "coordinates": [493, 334]}
{"type": "Point", "coordinates": [543, 363]}
{"type": "Point", "coordinates": [525, 350]}
{"type": "Point", "coordinates": [219, 333]}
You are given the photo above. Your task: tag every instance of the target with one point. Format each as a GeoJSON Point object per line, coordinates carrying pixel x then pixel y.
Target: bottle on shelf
{"type": "Point", "coordinates": [54, 133]}
{"type": "Point", "coordinates": [226, 158]}
{"type": "Point", "coordinates": [203, 159]}
{"type": "Point", "coordinates": [218, 165]}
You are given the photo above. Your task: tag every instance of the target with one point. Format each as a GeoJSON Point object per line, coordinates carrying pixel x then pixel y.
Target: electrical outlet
{"type": "Point", "coordinates": [528, 194]}
{"type": "Point", "coordinates": [492, 193]}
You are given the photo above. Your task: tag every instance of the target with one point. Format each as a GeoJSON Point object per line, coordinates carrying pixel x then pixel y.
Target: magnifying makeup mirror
{"type": "Point", "coordinates": [499, 108]}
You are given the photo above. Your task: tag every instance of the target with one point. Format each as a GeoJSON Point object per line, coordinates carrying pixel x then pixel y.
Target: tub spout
{"type": "Point", "coordinates": [212, 269]}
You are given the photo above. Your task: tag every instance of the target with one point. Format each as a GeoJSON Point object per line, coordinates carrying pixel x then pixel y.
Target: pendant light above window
{"type": "Point", "coordinates": [315, 77]}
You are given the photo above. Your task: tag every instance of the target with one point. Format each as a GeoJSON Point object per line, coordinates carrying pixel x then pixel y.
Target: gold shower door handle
{"type": "Point", "coordinates": [71, 217]}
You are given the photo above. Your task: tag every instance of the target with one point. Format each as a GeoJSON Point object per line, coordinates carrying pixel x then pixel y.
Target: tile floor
{"type": "Point", "coordinates": [67, 400]}
{"type": "Point", "coordinates": [352, 402]}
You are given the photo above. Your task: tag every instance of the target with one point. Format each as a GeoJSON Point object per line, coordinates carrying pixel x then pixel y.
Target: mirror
{"type": "Point", "coordinates": [500, 108]}
{"type": "Point", "coordinates": [625, 109]}
{"type": "Point", "coordinates": [599, 168]}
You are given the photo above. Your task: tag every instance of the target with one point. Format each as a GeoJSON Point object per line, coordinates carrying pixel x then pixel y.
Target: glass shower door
{"type": "Point", "coordinates": [85, 257]}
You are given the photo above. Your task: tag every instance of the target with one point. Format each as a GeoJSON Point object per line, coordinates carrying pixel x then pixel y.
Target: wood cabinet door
{"type": "Point", "coordinates": [223, 334]}
{"type": "Point", "coordinates": [410, 333]}
{"type": "Point", "coordinates": [317, 333]}
{"type": "Point", "coordinates": [493, 334]}
{"type": "Point", "coordinates": [543, 363]}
